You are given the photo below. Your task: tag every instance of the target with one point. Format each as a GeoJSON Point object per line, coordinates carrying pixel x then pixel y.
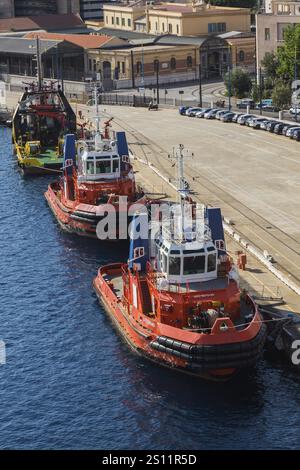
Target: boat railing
{"type": "Point", "coordinates": [171, 233]}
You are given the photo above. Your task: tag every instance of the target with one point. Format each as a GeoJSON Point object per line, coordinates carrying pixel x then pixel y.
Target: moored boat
{"type": "Point", "coordinates": [177, 301]}
{"type": "Point", "coordinates": [41, 119]}
{"type": "Point", "coordinates": [98, 177]}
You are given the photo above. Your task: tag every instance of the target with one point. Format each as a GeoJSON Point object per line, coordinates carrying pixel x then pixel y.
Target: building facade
{"type": "Point", "coordinates": [18, 8]}
{"type": "Point", "coordinates": [271, 22]}
{"type": "Point", "coordinates": [6, 8]}
{"type": "Point", "coordinates": [178, 19]}
{"type": "Point", "coordinates": [91, 10]}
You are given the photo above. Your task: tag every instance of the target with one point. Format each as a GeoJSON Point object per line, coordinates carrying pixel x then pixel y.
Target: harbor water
{"type": "Point", "coordinates": [69, 381]}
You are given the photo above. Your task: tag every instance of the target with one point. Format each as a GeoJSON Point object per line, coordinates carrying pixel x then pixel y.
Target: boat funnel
{"type": "Point", "coordinates": [139, 242]}
{"type": "Point", "coordinates": [69, 153]}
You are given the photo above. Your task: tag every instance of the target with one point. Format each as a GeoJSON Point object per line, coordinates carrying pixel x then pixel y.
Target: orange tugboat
{"type": "Point", "coordinates": [96, 174]}
{"type": "Point", "coordinates": [177, 301]}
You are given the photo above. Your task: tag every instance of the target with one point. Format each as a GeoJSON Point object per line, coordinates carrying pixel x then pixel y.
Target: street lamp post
{"type": "Point", "coordinates": [200, 79]}
{"type": "Point", "coordinates": [157, 81]}
{"type": "Point", "coordinates": [295, 78]}
{"type": "Point", "coordinates": [229, 79]}
{"type": "Point", "coordinates": [260, 91]}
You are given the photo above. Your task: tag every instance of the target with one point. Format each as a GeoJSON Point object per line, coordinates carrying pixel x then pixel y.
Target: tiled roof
{"type": "Point", "coordinates": [86, 41]}
{"type": "Point", "coordinates": [47, 22]}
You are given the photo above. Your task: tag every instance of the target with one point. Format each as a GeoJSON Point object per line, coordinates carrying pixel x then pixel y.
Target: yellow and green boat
{"type": "Point", "coordinates": [42, 118]}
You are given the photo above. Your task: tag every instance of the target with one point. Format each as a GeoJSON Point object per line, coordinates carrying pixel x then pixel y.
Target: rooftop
{"type": "Point", "coordinates": [47, 22]}
{"type": "Point", "coordinates": [86, 41]}
{"type": "Point", "coordinates": [24, 46]}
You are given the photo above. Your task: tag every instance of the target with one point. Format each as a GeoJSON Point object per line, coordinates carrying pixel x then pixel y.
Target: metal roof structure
{"type": "Point", "coordinates": [22, 46]}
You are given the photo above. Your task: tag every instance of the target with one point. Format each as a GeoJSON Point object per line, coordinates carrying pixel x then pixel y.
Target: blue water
{"type": "Point", "coordinates": [70, 382]}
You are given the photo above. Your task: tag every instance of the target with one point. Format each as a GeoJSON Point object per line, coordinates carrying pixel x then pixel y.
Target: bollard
{"type": "Point", "coordinates": [280, 115]}
{"type": "Point", "coordinates": [211, 104]}
{"type": "Point", "coordinates": [248, 109]}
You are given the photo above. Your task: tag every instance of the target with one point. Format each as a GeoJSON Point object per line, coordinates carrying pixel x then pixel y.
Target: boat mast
{"type": "Point", "coordinates": [39, 63]}
{"type": "Point", "coordinates": [181, 190]}
{"type": "Point", "coordinates": [97, 109]}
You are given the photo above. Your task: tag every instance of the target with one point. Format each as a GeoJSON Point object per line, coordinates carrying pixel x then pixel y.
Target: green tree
{"type": "Point", "coordinates": [289, 53]}
{"type": "Point", "coordinates": [239, 83]}
{"type": "Point", "coordinates": [270, 65]}
{"type": "Point", "coordinates": [281, 95]}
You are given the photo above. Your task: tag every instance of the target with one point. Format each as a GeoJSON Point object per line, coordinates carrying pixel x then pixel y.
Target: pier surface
{"type": "Point", "coordinates": [252, 175]}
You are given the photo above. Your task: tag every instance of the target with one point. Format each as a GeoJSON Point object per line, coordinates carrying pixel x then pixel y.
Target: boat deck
{"type": "Point", "coordinates": [246, 308]}
{"type": "Point", "coordinates": [49, 155]}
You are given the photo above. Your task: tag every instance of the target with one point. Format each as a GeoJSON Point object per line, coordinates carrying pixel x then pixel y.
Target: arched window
{"type": "Point", "coordinates": [138, 68]}
{"type": "Point", "coordinates": [241, 56]}
{"type": "Point", "coordinates": [189, 61]}
{"type": "Point", "coordinates": [173, 63]}
{"type": "Point", "coordinates": [156, 65]}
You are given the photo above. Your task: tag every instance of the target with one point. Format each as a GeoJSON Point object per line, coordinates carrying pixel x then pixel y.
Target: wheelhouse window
{"type": "Point", "coordinates": [211, 262]}
{"type": "Point", "coordinates": [194, 265]}
{"type": "Point", "coordinates": [115, 165]}
{"type": "Point", "coordinates": [90, 167]}
{"type": "Point", "coordinates": [174, 266]}
{"type": "Point", "coordinates": [103, 166]}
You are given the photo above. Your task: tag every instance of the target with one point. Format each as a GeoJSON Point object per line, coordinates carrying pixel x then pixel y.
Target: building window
{"type": "Point", "coordinates": [173, 63]}
{"type": "Point", "coordinates": [156, 27]}
{"type": "Point", "coordinates": [90, 65]}
{"type": "Point", "coordinates": [163, 27]}
{"type": "Point", "coordinates": [123, 21]}
{"type": "Point", "coordinates": [170, 28]}
{"type": "Point", "coordinates": [267, 34]}
{"type": "Point", "coordinates": [123, 67]}
{"type": "Point", "coordinates": [117, 20]}
{"type": "Point", "coordinates": [241, 56]}
{"type": "Point", "coordinates": [106, 19]}
{"type": "Point", "coordinates": [129, 22]}
{"type": "Point", "coordinates": [216, 27]}
{"type": "Point", "coordinates": [138, 68]}
{"type": "Point", "coordinates": [189, 61]}
{"type": "Point", "coordinates": [112, 20]}
{"type": "Point", "coordinates": [283, 9]}
{"type": "Point", "coordinates": [156, 65]}
{"type": "Point", "coordinates": [177, 29]}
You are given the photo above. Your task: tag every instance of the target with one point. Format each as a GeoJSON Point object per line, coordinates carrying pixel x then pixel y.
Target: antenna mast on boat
{"type": "Point", "coordinates": [39, 63]}
{"type": "Point", "coordinates": [182, 186]}
{"type": "Point", "coordinates": [97, 108]}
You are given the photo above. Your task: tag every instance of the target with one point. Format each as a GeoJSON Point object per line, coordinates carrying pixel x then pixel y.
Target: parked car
{"type": "Point", "coordinates": [183, 109]}
{"type": "Point", "coordinates": [264, 124]}
{"type": "Point", "coordinates": [296, 135]}
{"type": "Point", "coordinates": [221, 113]}
{"type": "Point", "coordinates": [291, 130]}
{"type": "Point", "coordinates": [246, 102]}
{"type": "Point", "coordinates": [244, 118]}
{"type": "Point", "coordinates": [236, 116]}
{"type": "Point", "coordinates": [191, 112]}
{"type": "Point", "coordinates": [211, 114]}
{"type": "Point", "coordinates": [200, 114]}
{"type": "Point", "coordinates": [255, 122]}
{"type": "Point", "coordinates": [271, 125]}
{"type": "Point", "coordinates": [294, 111]}
{"type": "Point", "coordinates": [279, 128]}
{"type": "Point", "coordinates": [228, 117]}
{"type": "Point", "coordinates": [286, 128]}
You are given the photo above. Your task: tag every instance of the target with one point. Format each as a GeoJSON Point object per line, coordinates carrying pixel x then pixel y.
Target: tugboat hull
{"type": "Point", "coordinates": [212, 357]}
{"type": "Point", "coordinates": [80, 219]}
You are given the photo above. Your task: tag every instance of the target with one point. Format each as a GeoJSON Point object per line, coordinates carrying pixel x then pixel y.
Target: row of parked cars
{"type": "Point", "coordinates": [270, 125]}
